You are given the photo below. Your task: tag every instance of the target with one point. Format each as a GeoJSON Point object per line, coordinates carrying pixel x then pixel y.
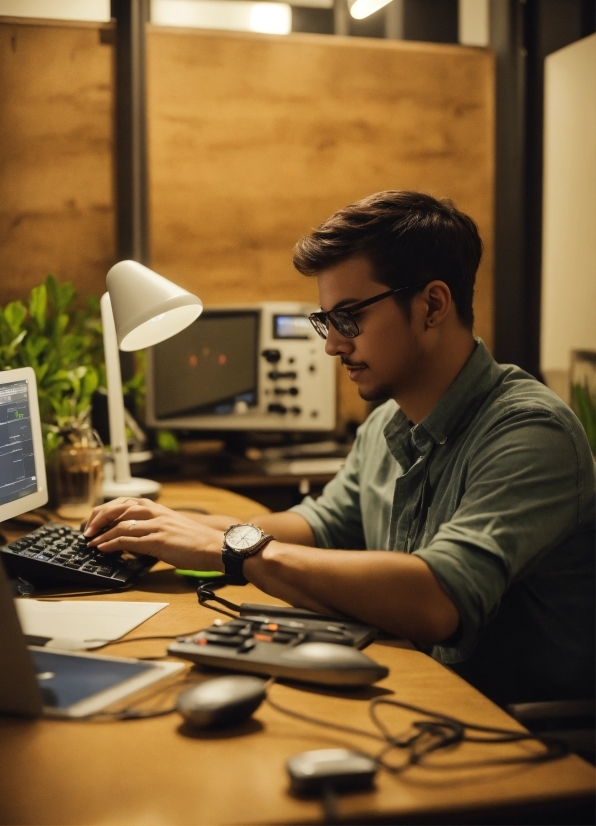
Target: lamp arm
{"type": "Point", "coordinates": [118, 442]}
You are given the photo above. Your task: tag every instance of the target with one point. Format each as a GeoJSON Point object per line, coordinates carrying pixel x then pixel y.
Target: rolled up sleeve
{"type": "Point", "coordinates": [520, 501]}
{"type": "Point", "coordinates": [335, 517]}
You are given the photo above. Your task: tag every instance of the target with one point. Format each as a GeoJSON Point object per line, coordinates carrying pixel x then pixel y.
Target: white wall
{"type": "Point", "coordinates": [93, 10]}
{"type": "Point", "coordinates": [569, 218]}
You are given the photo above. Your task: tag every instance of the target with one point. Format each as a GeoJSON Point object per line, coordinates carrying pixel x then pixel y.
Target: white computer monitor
{"type": "Point", "coordinates": [23, 484]}
{"type": "Point", "coordinates": [244, 367]}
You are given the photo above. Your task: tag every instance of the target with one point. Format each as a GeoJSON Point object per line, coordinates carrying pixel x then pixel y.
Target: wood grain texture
{"type": "Point", "coordinates": [56, 179]}
{"type": "Point", "coordinates": [256, 139]}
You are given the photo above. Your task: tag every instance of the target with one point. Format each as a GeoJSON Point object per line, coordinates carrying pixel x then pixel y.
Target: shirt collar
{"type": "Point", "coordinates": [474, 382]}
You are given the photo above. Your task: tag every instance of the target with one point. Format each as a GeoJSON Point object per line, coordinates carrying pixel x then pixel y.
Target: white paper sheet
{"type": "Point", "coordinates": [72, 624]}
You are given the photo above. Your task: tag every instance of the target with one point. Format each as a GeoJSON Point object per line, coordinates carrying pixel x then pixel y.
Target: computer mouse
{"type": "Point", "coordinates": [335, 664]}
{"type": "Point", "coordinates": [221, 702]}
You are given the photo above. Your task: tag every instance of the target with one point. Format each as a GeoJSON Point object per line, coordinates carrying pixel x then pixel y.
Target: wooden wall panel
{"type": "Point", "coordinates": [56, 180]}
{"type": "Point", "coordinates": [255, 139]}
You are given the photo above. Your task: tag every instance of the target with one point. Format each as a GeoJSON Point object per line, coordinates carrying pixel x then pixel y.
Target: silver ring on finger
{"type": "Point", "coordinates": [133, 522]}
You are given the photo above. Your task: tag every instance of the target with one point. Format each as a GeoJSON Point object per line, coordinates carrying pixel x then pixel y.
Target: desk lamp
{"type": "Point", "coordinates": [140, 309]}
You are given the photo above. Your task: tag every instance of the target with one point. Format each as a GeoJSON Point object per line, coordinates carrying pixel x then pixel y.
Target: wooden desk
{"type": "Point", "coordinates": [157, 772]}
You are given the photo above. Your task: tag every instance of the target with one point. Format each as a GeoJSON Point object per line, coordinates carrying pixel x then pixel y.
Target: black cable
{"type": "Point", "coordinates": [306, 718]}
{"type": "Point", "coordinates": [205, 595]}
{"type": "Point", "coordinates": [151, 637]}
{"type": "Point", "coordinates": [554, 748]}
{"type": "Point", "coordinates": [428, 736]}
{"type": "Point", "coordinates": [329, 802]}
{"type": "Point", "coordinates": [68, 595]}
{"type": "Point", "coordinates": [192, 510]}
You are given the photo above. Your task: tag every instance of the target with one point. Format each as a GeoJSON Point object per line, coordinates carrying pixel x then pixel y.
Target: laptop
{"type": "Point", "coordinates": [33, 681]}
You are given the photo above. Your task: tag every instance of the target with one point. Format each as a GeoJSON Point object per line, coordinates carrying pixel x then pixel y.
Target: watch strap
{"type": "Point", "coordinates": [233, 567]}
{"type": "Point", "coordinates": [233, 561]}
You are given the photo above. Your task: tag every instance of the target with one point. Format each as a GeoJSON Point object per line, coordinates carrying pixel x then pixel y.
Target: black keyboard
{"type": "Point", "coordinates": [56, 555]}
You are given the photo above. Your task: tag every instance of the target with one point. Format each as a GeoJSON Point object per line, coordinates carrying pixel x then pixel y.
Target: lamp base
{"type": "Point", "coordinates": [111, 489]}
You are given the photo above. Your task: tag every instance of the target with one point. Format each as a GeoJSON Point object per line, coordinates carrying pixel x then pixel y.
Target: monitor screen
{"type": "Point", "coordinates": [22, 466]}
{"type": "Point", "coordinates": [210, 368]}
{"type": "Point", "coordinates": [18, 477]}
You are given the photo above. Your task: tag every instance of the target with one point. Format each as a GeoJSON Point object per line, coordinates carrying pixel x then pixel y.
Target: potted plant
{"type": "Point", "coordinates": [64, 347]}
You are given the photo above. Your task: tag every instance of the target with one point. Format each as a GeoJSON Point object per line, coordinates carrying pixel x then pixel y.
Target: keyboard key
{"type": "Point", "coordinates": [223, 630]}
{"type": "Point", "coordinates": [233, 642]}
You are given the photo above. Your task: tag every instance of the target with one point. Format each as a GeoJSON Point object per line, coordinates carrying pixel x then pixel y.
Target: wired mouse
{"type": "Point", "coordinates": [221, 702]}
{"type": "Point", "coordinates": [339, 664]}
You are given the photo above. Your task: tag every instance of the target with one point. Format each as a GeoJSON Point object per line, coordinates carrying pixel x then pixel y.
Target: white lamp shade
{"type": "Point", "coordinates": [147, 308]}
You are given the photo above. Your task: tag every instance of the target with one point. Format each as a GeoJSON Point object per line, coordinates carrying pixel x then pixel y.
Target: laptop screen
{"type": "Point", "coordinates": [18, 477]}
{"type": "Point", "coordinates": [22, 465]}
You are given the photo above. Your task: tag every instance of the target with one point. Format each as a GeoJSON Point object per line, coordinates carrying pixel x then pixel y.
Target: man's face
{"type": "Point", "coordinates": [384, 360]}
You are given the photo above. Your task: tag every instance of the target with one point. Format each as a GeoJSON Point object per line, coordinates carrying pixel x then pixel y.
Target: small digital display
{"type": "Point", "coordinates": [291, 326]}
{"type": "Point", "coordinates": [17, 462]}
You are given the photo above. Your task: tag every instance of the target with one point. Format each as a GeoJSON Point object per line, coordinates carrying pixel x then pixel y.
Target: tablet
{"type": "Point", "coordinates": [77, 685]}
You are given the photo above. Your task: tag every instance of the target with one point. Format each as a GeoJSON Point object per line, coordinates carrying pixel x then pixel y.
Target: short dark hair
{"type": "Point", "coordinates": [409, 237]}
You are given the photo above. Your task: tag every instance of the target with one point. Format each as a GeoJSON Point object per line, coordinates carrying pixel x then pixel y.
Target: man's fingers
{"type": "Point", "coordinates": [124, 529]}
{"type": "Point", "coordinates": [103, 515]}
{"type": "Point", "coordinates": [117, 511]}
{"type": "Point", "coordinates": [131, 544]}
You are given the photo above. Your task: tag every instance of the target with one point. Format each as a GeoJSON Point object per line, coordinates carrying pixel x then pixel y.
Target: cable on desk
{"type": "Point", "coordinates": [439, 731]}
{"type": "Point", "coordinates": [148, 637]}
{"type": "Point", "coordinates": [71, 594]}
{"type": "Point", "coordinates": [192, 510]}
{"type": "Point", "coordinates": [205, 595]}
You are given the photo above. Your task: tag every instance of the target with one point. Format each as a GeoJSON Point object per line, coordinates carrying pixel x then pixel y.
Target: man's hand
{"type": "Point", "coordinates": [144, 527]}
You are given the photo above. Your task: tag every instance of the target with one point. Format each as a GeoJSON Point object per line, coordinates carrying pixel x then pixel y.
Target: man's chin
{"type": "Point", "coordinates": [374, 394]}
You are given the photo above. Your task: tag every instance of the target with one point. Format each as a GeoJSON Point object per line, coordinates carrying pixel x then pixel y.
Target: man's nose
{"type": "Point", "coordinates": [336, 344]}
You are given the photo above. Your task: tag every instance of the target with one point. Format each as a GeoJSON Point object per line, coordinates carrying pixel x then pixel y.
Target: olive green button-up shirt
{"type": "Point", "coordinates": [494, 489]}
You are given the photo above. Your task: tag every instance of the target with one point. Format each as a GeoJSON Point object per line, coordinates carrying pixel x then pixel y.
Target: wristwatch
{"type": "Point", "coordinates": [241, 541]}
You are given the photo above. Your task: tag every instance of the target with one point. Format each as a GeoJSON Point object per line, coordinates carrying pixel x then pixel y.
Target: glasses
{"type": "Point", "coordinates": [344, 321]}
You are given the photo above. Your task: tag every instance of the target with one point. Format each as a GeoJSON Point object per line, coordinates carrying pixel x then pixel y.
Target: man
{"type": "Point", "coordinates": [471, 488]}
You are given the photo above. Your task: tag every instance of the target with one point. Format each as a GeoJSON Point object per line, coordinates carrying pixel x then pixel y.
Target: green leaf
{"type": "Point", "coordinates": [66, 295]}
{"type": "Point", "coordinates": [51, 440]}
{"type": "Point", "coordinates": [34, 347]}
{"type": "Point", "coordinates": [14, 315]}
{"type": "Point", "coordinates": [38, 304]}
{"type": "Point", "coordinates": [51, 285]}
{"type": "Point", "coordinates": [90, 383]}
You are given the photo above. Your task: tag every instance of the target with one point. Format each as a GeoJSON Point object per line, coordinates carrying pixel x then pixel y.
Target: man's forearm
{"type": "Point", "coordinates": [396, 592]}
{"type": "Point", "coordinates": [286, 526]}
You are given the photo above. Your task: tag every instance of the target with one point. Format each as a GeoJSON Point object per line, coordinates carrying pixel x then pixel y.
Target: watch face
{"type": "Point", "coordinates": [243, 537]}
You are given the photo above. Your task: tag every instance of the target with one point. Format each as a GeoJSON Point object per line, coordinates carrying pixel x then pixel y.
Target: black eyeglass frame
{"type": "Point", "coordinates": [339, 318]}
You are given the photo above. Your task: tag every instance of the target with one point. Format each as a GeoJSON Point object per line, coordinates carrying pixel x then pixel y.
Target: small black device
{"type": "Point", "coordinates": [56, 555]}
{"type": "Point", "coordinates": [241, 541]}
{"type": "Point", "coordinates": [310, 649]}
{"type": "Point", "coordinates": [312, 772]}
{"type": "Point", "coordinates": [221, 702]}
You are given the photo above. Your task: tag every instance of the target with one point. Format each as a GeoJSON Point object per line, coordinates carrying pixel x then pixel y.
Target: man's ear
{"type": "Point", "coordinates": [438, 301]}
